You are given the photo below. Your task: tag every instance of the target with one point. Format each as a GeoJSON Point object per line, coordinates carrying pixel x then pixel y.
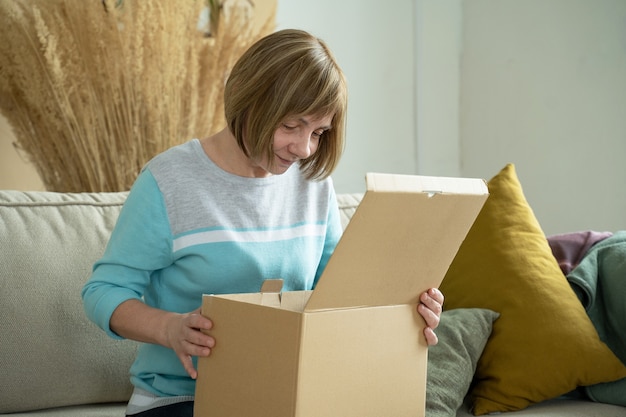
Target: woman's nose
{"type": "Point", "coordinates": [301, 147]}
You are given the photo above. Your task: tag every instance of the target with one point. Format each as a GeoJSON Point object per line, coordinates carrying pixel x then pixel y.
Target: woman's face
{"type": "Point", "coordinates": [296, 138]}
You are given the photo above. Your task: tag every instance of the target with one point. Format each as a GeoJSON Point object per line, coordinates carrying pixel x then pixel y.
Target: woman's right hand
{"type": "Point", "coordinates": [184, 335]}
{"type": "Point", "coordinates": [180, 332]}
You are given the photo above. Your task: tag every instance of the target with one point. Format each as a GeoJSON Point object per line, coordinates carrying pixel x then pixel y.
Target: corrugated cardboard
{"type": "Point", "coordinates": [354, 346]}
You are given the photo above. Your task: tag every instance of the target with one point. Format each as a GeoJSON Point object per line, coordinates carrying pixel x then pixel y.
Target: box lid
{"type": "Point", "coordinates": [400, 241]}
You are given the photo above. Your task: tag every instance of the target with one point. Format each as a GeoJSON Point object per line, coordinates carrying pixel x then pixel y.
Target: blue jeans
{"type": "Point", "coordinates": [184, 409]}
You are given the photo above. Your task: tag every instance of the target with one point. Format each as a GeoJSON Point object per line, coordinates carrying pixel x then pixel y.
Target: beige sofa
{"type": "Point", "coordinates": [54, 362]}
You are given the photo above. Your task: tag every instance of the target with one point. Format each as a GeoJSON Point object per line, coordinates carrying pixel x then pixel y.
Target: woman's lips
{"type": "Point", "coordinates": [286, 162]}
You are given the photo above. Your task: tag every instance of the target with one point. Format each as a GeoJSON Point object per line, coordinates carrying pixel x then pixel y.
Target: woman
{"type": "Point", "coordinates": [222, 214]}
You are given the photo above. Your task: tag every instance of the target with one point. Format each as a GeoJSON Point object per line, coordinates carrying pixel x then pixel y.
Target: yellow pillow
{"type": "Point", "coordinates": [543, 345]}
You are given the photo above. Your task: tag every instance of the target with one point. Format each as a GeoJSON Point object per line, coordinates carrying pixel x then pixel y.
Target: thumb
{"type": "Point", "coordinates": [188, 365]}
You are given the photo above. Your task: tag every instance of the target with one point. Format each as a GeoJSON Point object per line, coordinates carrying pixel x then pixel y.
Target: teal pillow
{"type": "Point", "coordinates": [463, 333]}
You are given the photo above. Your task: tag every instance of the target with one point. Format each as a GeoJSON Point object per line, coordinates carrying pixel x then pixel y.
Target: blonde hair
{"type": "Point", "coordinates": [288, 73]}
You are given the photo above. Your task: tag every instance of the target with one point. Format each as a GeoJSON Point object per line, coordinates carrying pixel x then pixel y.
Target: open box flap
{"type": "Point", "coordinates": [400, 241]}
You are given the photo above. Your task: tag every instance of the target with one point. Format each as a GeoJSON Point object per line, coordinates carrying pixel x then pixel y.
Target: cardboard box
{"type": "Point", "coordinates": [354, 346]}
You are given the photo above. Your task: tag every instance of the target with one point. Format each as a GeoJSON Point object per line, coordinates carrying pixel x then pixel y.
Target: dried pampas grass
{"type": "Point", "coordinates": [93, 89]}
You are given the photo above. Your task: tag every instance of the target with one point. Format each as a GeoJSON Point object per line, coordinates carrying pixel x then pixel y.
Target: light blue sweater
{"type": "Point", "coordinates": [189, 228]}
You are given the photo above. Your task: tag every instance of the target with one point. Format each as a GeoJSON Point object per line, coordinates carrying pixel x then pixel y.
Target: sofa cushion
{"type": "Point", "coordinates": [51, 354]}
{"type": "Point", "coordinates": [559, 407]}
{"type": "Point", "coordinates": [347, 206]}
{"type": "Point", "coordinates": [88, 410]}
{"type": "Point", "coordinates": [543, 345]}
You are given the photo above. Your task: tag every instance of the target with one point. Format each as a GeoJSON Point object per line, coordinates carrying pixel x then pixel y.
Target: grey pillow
{"type": "Point", "coordinates": [462, 333]}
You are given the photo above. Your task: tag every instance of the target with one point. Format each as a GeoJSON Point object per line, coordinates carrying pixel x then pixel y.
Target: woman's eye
{"type": "Point", "coordinates": [289, 127]}
{"type": "Point", "coordinates": [318, 133]}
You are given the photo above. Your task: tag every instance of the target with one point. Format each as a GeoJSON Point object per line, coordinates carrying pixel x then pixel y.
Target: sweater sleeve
{"type": "Point", "coordinates": [140, 244]}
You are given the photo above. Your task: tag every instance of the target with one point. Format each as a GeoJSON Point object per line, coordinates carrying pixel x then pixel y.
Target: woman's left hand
{"type": "Point", "coordinates": [430, 308]}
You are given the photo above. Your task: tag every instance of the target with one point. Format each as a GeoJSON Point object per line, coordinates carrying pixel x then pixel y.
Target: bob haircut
{"type": "Point", "coordinates": [289, 73]}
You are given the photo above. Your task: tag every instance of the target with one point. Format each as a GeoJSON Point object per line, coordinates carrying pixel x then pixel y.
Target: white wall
{"type": "Point", "coordinates": [16, 172]}
{"type": "Point", "coordinates": [543, 85]}
{"type": "Point", "coordinates": [438, 25]}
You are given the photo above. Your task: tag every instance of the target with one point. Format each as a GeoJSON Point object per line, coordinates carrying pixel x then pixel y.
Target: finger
{"type": "Point", "coordinates": [185, 357]}
{"type": "Point", "coordinates": [197, 338]}
{"type": "Point", "coordinates": [198, 321]}
{"type": "Point", "coordinates": [431, 337]}
{"type": "Point", "coordinates": [433, 302]}
{"type": "Point", "coordinates": [188, 365]}
{"type": "Point", "coordinates": [430, 317]}
{"type": "Point", "coordinates": [192, 349]}
{"type": "Point", "coordinates": [437, 295]}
